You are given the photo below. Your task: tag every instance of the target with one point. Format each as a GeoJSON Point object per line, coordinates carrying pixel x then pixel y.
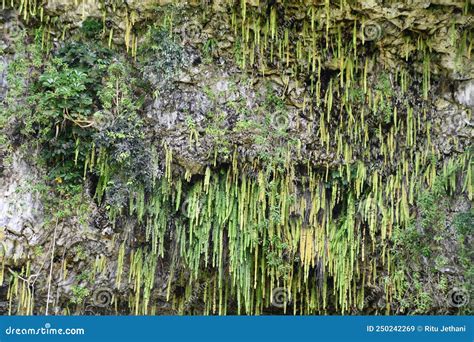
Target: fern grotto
{"type": "Point", "coordinates": [241, 157]}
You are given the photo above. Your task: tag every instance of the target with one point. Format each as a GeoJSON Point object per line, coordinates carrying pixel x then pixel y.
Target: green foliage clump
{"type": "Point", "coordinates": [90, 58]}
{"type": "Point", "coordinates": [160, 56]}
{"type": "Point", "coordinates": [122, 136]}
{"type": "Point", "coordinates": [420, 252]}
{"type": "Point", "coordinates": [209, 49]}
{"type": "Point", "coordinates": [464, 222]}
{"type": "Point", "coordinates": [19, 73]}
{"type": "Point", "coordinates": [432, 208]}
{"type": "Point", "coordinates": [277, 255]}
{"type": "Point", "coordinates": [92, 27]}
{"type": "Point", "coordinates": [61, 97]}
{"type": "Point", "coordinates": [79, 294]}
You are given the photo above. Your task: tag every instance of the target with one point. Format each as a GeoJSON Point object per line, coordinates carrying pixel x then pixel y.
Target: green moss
{"type": "Point", "coordinates": [79, 294]}
{"type": "Point", "coordinates": [464, 223]}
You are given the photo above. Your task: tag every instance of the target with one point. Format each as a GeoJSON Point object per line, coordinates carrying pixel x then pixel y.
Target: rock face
{"type": "Point", "coordinates": [465, 94]}
{"type": "Point", "coordinates": [226, 157]}
{"type": "Point", "coordinates": [20, 210]}
{"type": "Point", "coordinates": [3, 77]}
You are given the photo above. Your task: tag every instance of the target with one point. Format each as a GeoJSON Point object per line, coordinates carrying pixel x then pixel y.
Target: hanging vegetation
{"type": "Point", "coordinates": [321, 212]}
